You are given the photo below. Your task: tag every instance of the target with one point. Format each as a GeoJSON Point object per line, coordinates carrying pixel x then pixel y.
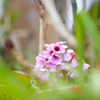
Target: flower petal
{"type": "Point", "coordinates": [67, 56]}
{"type": "Point", "coordinates": [70, 51]}
{"type": "Point", "coordinates": [85, 66]}
{"type": "Point", "coordinates": [72, 75]}
{"type": "Point", "coordinates": [74, 63]}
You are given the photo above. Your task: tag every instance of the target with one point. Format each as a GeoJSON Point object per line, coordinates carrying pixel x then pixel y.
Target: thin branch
{"type": "Point", "coordinates": [41, 36]}
{"type": "Point", "coordinates": [57, 23]}
{"type": "Point", "coordinates": [40, 9]}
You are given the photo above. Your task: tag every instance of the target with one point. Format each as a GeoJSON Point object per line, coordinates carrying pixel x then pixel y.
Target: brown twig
{"type": "Point", "coordinates": [40, 9]}
{"type": "Point", "coordinates": [45, 28]}
{"type": "Point", "coordinates": [41, 35]}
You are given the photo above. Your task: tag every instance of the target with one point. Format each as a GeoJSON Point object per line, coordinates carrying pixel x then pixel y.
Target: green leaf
{"type": "Point", "coordinates": [22, 78]}
{"type": "Point", "coordinates": [80, 48]}
{"type": "Point", "coordinates": [14, 84]}
{"type": "Point", "coordinates": [4, 93]}
{"type": "Point", "coordinates": [92, 30]}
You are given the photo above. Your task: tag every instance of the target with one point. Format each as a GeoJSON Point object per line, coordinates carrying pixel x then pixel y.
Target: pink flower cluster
{"type": "Point", "coordinates": [52, 60]}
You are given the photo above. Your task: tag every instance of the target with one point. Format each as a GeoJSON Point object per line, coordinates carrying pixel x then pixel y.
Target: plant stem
{"type": "Point", "coordinates": [41, 36]}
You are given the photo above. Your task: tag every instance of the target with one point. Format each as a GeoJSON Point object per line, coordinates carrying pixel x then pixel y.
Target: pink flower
{"type": "Point", "coordinates": [43, 73]}
{"type": "Point", "coordinates": [40, 60]}
{"type": "Point", "coordinates": [55, 58]}
{"type": "Point", "coordinates": [71, 75]}
{"type": "Point", "coordinates": [85, 68]}
{"type": "Point", "coordinates": [67, 57]}
{"type": "Point", "coordinates": [48, 53]}
{"type": "Point", "coordinates": [57, 67]}
{"type": "Point", "coordinates": [70, 57]}
{"type": "Point", "coordinates": [51, 61]}
{"type": "Point", "coordinates": [74, 63]}
{"type": "Point", "coordinates": [56, 47]}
